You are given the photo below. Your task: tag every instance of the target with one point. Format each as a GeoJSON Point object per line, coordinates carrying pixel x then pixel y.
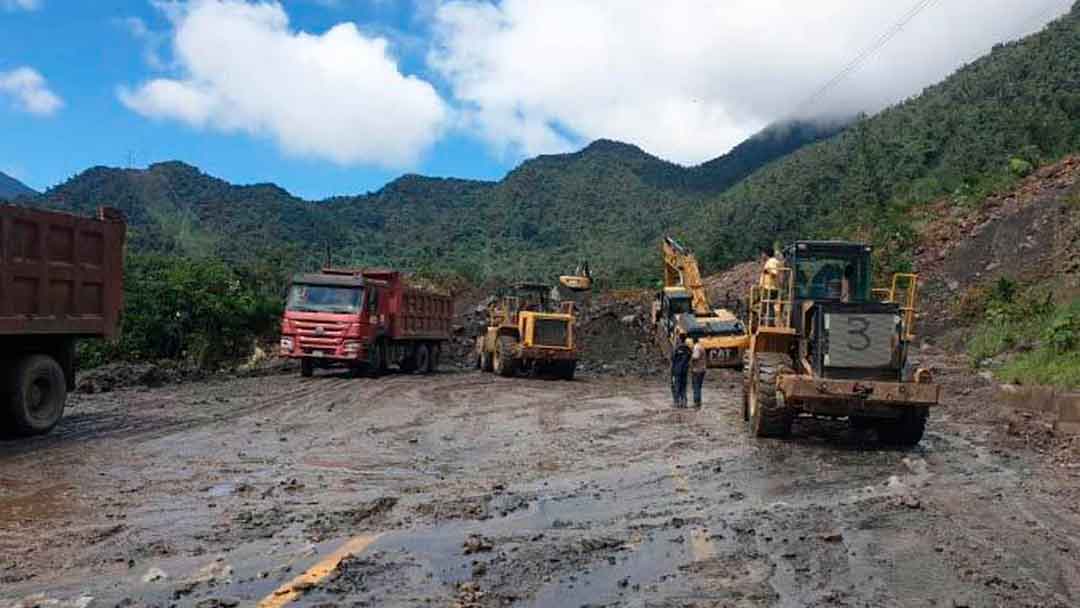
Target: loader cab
{"type": "Point", "coordinates": [845, 332]}
{"type": "Point", "coordinates": [832, 271]}
{"type": "Point", "coordinates": [672, 303]}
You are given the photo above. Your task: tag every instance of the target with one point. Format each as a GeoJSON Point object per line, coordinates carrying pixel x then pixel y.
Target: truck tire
{"type": "Point", "coordinates": [38, 393]}
{"type": "Point", "coordinates": [906, 431]}
{"type": "Point", "coordinates": [377, 359]}
{"type": "Point", "coordinates": [504, 363]}
{"type": "Point", "coordinates": [307, 368]}
{"type": "Point", "coordinates": [433, 360]}
{"type": "Point", "coordinates": [769, 417]}
{"type": "Point", "coordinates": [422, 359]}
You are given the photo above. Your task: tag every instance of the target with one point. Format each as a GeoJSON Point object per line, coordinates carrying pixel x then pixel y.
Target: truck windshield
{"type": "Point", "coordinates": [325, 298]}
{"type": "Point", "coordinates": [832, 278]}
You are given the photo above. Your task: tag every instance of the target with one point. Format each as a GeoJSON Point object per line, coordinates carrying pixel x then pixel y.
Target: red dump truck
{"type": "Point", "coordinates": [61, 278]}
{"type": "Point", "coordinates": [364, 319]}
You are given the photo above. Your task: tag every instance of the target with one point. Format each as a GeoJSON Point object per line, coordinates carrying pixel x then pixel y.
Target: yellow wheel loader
{"type": "Point", "coordinates": [824, 344]}
{"type": "Point", "coordinates": [526, 333]}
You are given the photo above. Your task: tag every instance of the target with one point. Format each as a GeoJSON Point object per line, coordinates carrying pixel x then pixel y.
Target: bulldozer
{"type": "Point", "coordinates": [682, 308]}
{"type": "Point", "coordinates": [823, 343]}
{"type": "Point", "coordinates": [528, 331]}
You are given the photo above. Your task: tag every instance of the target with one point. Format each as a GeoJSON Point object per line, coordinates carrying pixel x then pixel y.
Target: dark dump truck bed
{"type": "Point", "coordinates": [61, 278]}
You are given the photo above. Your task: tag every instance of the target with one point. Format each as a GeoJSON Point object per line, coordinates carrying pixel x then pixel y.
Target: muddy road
{"type": "Point", "coordinates": [463, 489]}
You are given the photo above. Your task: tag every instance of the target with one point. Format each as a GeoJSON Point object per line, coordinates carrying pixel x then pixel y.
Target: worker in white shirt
{"type": "Point", "coordinates": [698, 361]}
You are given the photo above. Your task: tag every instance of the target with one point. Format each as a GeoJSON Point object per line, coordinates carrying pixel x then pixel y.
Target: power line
{"type": "Point", "coordinates": [865, 54]}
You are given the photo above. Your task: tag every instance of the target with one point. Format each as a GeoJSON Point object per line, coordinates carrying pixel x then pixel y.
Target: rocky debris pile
{"type": "Point", "coordinates": [117, 376]}
{"type": "Point", "coordinates": [733, 283]}
{"type": "Point", "coordinates": [121, 376]}
{"type": "Point", "coordinates": [616, 337]}
{"type": "Point", "coordinates": [1027, 234]}
{"type": "Point", "coordinates": [951, 224]}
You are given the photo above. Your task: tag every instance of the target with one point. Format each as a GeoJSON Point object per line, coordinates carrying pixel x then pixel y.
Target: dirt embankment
{"type": "Point", "coordinates": [1030, 234]}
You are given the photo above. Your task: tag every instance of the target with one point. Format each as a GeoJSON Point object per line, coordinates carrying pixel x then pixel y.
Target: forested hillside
{"type": "Point", "coordinates": [11, 188]}
{"type": "Point", "coordinates": [991, 122]}
{"type": "Point", "coordinates": [986, 125]}
{"type": "Point", "coordinates": [609, 202]}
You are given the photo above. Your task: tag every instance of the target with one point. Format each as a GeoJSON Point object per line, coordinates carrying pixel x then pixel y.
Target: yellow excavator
{"type": "Point", "coordinates": [682, 307]}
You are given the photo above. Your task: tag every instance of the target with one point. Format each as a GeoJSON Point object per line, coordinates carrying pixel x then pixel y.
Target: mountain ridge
{"type": "Point", "coordinates": [11, 188]}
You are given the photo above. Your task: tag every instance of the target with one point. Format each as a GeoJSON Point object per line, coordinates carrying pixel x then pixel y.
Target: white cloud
{"type": "Point", "coordinates": [20, 5]}
{"type": "Point", "coordinates": [29, 92]}
{"type": "Point", "coordinates": [687, 79]}
{"type": "Point", "coordinates": [338, 95]}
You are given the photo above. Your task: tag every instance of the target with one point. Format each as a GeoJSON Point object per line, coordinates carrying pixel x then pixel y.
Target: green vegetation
{"type": "Point", "coordinates": [203, 312]}
{"type": "Point", "coordinates": [1025, 337]}
{"type": "Point", "coordinates": [979, 131]}
{"type": "Point", "coordinates": [974, 133]}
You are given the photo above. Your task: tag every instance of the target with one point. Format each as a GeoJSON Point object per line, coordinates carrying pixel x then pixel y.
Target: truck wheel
{"type": "Point", "coordinates": [769, 417]}
{"type": "Point", "coordinates": [307, 368]}
{"type": "Point", "coordinates": [504, 357]}
{"type": "Point", "coordinates": [422, 359]}
{"type": "Point", "coordinates": [38, 394]}
{"type": "Point", "coordinates": [377, 360]}
{"type": "Point", "coordinates": [433, 360]}
{"type": "Point", "coordinates": [906, 431]}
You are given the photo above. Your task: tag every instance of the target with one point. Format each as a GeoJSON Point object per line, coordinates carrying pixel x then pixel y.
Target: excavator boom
{"type": "Point", "coordinates": [681, 270]}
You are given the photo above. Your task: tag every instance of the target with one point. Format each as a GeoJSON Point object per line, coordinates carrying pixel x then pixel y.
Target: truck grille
{"type": "Point", "coordinates": [323, 334]}
{"type": "Point", "coordinates": [865, 341]}
{"type": "Point", "coordinates": [551, 332]}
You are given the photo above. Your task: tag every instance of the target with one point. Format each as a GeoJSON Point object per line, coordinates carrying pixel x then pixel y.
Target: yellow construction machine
{"type": "Point", "coordinates": [527, 331]}
{"type": "Point", "coordinates": [824, 344]}
{"type": "Point", "coordinates": [682, 307]}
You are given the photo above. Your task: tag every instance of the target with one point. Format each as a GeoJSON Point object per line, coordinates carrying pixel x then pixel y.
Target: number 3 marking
{"type": "Point", "coordinates": [862, 325]}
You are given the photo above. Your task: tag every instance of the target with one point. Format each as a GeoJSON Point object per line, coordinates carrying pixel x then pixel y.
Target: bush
{"type": "Point", "coordinates": [1020, 167]}
{"type": "Point", "coordinates": [201, 311]}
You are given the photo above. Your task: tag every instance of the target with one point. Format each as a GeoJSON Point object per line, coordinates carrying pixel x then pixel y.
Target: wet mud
{"type": "Point", "coordinates": [463, 489]}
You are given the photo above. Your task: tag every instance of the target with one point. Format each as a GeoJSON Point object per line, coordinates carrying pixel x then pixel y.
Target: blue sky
{"type": "Point", "coordinates": [331, 97]}
{"type": "Point", "coordinates": [86, 51]}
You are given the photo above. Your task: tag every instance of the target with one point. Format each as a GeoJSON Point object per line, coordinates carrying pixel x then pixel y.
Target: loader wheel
{"type": "Point", "coordinates": [38, 394]}
{"type": "Point", "coordinates": [745, 368]}
{"type": "Point", "coordinates": [504, 357]}
{"type": "Point", "coordinates": [307, 368]}
{"type": "Point", "coordinates": [906, 431]}
{"type": "Point", "coordinates": [422, 359]}
{"type": "Point", "coordinates": [567, 369]}
{"type": "Point", "coordinates": [769, 417]}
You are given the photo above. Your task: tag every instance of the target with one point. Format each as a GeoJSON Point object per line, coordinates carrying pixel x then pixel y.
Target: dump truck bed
{"type": "Point", "coordinates": [60, 273]}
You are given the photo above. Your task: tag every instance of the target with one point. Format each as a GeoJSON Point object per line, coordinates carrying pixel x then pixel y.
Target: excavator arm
{"type": "Point", "coordinates": [681, 270]}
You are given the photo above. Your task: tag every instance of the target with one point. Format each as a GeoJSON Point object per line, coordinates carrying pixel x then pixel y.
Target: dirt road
{"type": "Point", "coordinates": [464, 489]}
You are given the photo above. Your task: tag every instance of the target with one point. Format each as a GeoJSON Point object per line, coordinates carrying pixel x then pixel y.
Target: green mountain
{"type": "Point", "coordinates": [11, 188]}
{"type": "Point", "coordinates": [983, 127]}
{"type": "Point", "coordinates": [608, 202]}
{"type": "Point", "coordinates": [990, 122]}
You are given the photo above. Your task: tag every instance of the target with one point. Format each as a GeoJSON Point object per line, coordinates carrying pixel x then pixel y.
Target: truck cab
{"type": "Point", "coordinates": [363, 318]}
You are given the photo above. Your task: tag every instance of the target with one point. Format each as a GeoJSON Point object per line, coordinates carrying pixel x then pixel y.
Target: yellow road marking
{"type": "Point", "coordinates": [315, 574]}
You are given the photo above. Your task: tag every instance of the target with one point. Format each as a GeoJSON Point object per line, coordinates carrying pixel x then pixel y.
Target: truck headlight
{"type": "Point", "coordinates": [287, 344]}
